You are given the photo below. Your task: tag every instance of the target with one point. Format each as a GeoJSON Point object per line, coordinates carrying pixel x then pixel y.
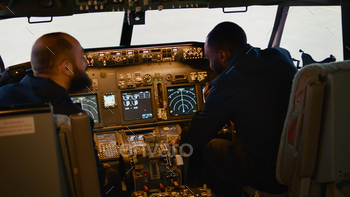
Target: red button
{"type": "Point", "coordinates": [145, 188]}
{"type": "Point", "coordinates": [175, 184]}
{"type": "Point", "coordinates": [161, 186]}
{"type": "Point", "coordinates": [145, 173]}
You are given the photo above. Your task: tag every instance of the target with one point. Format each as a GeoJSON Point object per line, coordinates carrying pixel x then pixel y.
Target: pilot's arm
{"type": "Point", "coordinates": [206, 124]}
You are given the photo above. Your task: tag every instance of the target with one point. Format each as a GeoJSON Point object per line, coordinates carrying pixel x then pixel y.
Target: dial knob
{"type": "Point", "coordinates": [147, 78]}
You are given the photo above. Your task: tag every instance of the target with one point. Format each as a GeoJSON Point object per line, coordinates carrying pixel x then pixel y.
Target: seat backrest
{"type": "Point", "coordinates": [317, 113]}
{"type": "Point", "coordinates": [31, 162]}
{"type": "Point", "coordinates": [78, 151]}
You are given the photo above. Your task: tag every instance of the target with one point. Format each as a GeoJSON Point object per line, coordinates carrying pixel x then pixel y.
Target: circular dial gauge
{"type": "Point", "coordinates": [89, 104]}
{"type": "Point", "coordinates": [182, 100]}
{"type": "Point", "coordinates": [168, 77]}
{"type": "Point", "coordinates": [147, 78]}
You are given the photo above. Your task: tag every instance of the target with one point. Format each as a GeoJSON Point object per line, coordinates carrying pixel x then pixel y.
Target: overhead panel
{"type": "Point", "coordinates": [27, 8]}
{"type": "Point", "coordinates": [237, 3]}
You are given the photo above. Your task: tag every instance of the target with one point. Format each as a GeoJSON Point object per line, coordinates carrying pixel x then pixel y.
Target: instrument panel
{"type": "Point", "coordinates": [142, 86]}
{"type": "Point", "coordinates": [141, 95]}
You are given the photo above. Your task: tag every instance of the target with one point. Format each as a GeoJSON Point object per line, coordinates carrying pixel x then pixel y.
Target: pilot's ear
{"type": "Point", "coordinates": [223, 56]}
{"type": "Point", "coordinates": [66, 68]}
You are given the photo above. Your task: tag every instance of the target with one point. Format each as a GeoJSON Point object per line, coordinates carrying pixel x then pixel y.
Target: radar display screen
{"type": "Point", "coordinates": [88, 102]}
{"type": "Point", "coordinates": [137, 105]}
{"type": "Point", "coordinates": [182, 100]}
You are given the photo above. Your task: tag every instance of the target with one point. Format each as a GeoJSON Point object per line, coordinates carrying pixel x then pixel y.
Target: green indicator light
{"type": "Point", "coordinates": [155, 79]}
{"type": "Point", "coordinates": [160, 79]}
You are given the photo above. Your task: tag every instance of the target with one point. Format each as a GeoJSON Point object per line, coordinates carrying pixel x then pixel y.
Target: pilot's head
{"type": "Point", "coordinates": [60, 57]}
{"type": "Point", "coordinates": [221, 42]}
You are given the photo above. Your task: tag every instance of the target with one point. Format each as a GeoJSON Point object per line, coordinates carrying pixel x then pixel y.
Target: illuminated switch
{"type": "Point", "coordinates": [176, 184]}
{"type": "Point", "coordinates": [145, 188]}
{"type": "Point", "coordinates": [145, 173]}
{"type": "Point", "coordinates": [161, 186]}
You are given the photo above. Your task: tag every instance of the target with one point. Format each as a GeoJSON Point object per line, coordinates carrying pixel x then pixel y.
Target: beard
{"type": "Point", "coordinates": [79, 81]}
{"type": "Point", "coordinates": [216, 67]}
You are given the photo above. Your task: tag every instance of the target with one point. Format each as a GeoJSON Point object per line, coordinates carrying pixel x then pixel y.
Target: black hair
{"type": "Point", "coordinates": [227, 36]}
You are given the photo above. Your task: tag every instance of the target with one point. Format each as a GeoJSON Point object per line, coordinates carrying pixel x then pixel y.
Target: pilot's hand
{"type": "Point", "coordinates": [206, 91]}
{"type": "Point", "coordinates": [173, 141]}
{"type": "Point", "coordinates": [105, 166]}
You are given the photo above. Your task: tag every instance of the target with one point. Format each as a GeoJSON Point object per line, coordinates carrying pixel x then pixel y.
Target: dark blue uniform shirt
{"type": "Point", "coordinates": [38, 90]}
{"type": "Point", "coordinates": [253, 92]}
{"type": "Point", "coordinates": [31, 90]}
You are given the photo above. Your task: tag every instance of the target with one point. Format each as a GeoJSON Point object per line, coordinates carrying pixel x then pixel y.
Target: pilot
{"type": "Point", "coordinates": [252, 91]}
{"type": "Point", "coordinates": [59, 65]}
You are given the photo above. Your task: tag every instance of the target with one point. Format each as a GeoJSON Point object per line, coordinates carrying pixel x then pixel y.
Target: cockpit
{"type": "Point", "coordinates": [149, 74]}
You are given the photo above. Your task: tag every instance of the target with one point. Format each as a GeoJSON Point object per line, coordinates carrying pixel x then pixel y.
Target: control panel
{"type": "Point", "coordinates": [139, 97]}
{"type": "Point", "coordinates": [140, 86]}
{"type": "Point", "coordinates": [145, 54]}
{"type": "Point", "coordinates": [182, 191]}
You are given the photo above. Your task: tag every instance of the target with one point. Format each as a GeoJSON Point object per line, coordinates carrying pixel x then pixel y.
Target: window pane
{"type": "Point", "coordinates": [193, 24]}
{"type": "Point", "coordinates": [91, 30]}
{"type": "Point", "coordinates": [314, 29]}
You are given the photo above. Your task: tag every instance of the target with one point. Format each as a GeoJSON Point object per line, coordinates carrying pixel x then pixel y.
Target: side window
{"type": "Point", "coordinates": [316, 30]}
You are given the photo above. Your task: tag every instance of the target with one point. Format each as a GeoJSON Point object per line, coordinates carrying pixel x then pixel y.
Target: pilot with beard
{"type": "Point", "coordinates": [252, 91]}
{"type": "Point", "coordinates": [58, 65]}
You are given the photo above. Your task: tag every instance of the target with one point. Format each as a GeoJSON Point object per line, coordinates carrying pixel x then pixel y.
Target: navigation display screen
{"type": "Point", "coordinates": [88, 102]}
{"type": "Point", "coordinates": [182, 100]}
{"type": "Point", "coordinates": [137, 105]}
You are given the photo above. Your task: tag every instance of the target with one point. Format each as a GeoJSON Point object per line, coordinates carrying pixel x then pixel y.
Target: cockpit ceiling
{"type": "Point", "coordinates": [20, 8]}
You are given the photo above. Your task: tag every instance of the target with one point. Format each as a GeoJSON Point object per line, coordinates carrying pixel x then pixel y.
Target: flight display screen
{"type": "Point", "coordinates": [137, 105]}
{"type": "Point", "coordinates": [88, 102]}
{"type": "Point", "coordinates": [182, 100]}
{"type": "Point", "coordinates": [109, 100]}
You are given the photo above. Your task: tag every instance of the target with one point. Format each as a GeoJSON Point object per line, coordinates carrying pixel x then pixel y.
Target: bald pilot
{"type": "Point", "coordinates": [59, 65]}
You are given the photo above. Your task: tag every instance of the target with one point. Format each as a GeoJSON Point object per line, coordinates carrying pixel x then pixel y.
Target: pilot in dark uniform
{"type": "Point", "coordinates": [59, 66]}
{"type": "Point", "coordinates": [252, 90]}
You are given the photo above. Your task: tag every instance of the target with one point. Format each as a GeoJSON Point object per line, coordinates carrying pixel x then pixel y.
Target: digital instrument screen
{"type": "Point", "coordinates": [88, 102]}
{"type": "Point", "coordinates": [109, 100]}
{"type": "Point", "coordinates": [137, 105]}
{"type": "Point", "coordinates": [108, 138]}
{"type": "Point", "coordinates": [182, 100]}
{"type": "Point", "coordinates": [136, 140]}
